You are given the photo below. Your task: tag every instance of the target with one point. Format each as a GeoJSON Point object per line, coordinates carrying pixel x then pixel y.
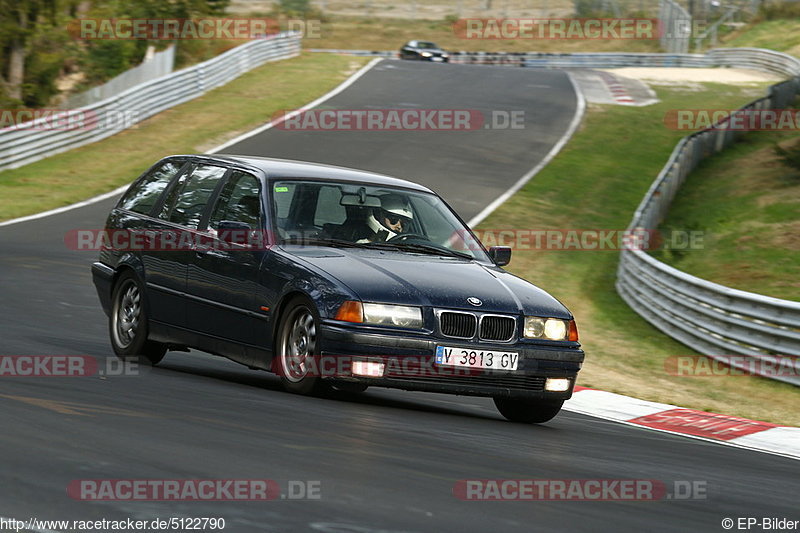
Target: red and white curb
{"type": "Point", "coordinates": [617, 90]}
{"type": "Point", "coordinates": [722, 429]}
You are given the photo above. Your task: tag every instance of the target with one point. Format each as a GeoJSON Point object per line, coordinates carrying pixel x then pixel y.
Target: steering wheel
{"type": "Point", "coordinates": [402, 237]}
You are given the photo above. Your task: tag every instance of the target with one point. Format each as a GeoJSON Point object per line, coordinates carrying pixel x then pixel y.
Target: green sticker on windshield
{"type": "Point", "coordinates": [281, 189]}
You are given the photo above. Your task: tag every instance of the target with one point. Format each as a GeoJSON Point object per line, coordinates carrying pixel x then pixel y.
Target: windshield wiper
{"type": "Point", "coordinates": [429, 249]}
{"type": "Point", "coordinates": [337, 243]}
{"type": "Point", "coordinates": [318, 241]}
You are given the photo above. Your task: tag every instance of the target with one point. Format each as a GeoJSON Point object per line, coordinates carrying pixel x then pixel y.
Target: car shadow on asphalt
{"type": "Point", "coordinates": [270, 382]}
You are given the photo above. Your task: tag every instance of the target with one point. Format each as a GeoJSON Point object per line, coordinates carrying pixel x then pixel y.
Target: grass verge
{"type": "Point", "coordinates": [752, 227]}
{"type": "Point", "coordinates": [782, 35]}
{"type": "Point", "coordinates": [196, 126]}
{"type": "Point", "coordinates": [596, 182]}
{"type": "Point", "coordinates": [371, 33]}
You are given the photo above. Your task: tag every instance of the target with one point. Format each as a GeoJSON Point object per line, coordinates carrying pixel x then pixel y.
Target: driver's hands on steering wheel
{"type": "Point", "coordinates": [401, 237]}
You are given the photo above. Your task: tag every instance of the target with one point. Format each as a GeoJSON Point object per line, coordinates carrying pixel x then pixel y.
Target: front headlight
{"type": "Point", "coordinates": [393, 315]}
{"type": "Point", "coordinates": [426, 54]}
{"type": "Point", "coordinates": [553, 329]}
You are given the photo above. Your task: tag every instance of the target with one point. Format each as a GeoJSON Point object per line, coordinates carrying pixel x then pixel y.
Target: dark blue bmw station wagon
{"type": "Point", "coordinates": [332, 278]}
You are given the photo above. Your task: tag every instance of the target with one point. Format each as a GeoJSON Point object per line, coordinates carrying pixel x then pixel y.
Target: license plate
{"type": "Point", "coordinates": [490, 359]}
{"type": "Point", "coordinates": [437, 59]}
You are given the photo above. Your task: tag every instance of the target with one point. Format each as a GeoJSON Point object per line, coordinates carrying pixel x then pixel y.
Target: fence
{"type": "Point", "coordinates": [708, 317]}
{"type": "Point", "coordinates": [676, 26]}
{"type": "Point", "coordinates": [32, 141]}
{"type": "Point", "coordinates": [160, 64]}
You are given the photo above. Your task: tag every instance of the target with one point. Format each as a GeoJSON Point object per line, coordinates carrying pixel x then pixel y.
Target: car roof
{"type": "Point", "coordinates": [286, 168]}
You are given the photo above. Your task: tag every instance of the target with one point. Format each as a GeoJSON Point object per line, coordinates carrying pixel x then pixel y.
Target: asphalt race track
{"type": "Point", "coordinates": [386, 461]}
{"type": "Point", "coordinates": [468, 168]}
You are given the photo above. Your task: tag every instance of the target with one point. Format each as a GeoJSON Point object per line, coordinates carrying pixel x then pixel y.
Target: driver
{"type": "Point", "coordinates": [391, 219]}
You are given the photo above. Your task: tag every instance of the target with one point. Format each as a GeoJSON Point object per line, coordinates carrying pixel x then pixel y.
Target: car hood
{"type": "Point", "coordinates": [423, 280]}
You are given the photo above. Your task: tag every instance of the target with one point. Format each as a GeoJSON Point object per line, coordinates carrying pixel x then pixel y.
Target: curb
{"type": "Point", "coordinates": [712, 427]}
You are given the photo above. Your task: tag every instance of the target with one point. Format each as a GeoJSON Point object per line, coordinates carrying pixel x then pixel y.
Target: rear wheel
{"type": "Point", "coordinates": [298, 348]}
{"type": "Point", "coordinates": [128, 324]}
{"type": "Point", "coordinates": [528, 411]}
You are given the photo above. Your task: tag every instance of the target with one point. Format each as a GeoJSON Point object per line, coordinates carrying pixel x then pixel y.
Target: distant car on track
{"type": "Point", "coordinates": [424, 51]}
{"type": "Point", "coordinates": [331, 278]}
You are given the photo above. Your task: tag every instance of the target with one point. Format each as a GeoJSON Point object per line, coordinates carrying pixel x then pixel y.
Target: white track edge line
{"type": "Point", "coordinates": [341, 87]}
{"type": "Point", "coordinates": [573, 127]}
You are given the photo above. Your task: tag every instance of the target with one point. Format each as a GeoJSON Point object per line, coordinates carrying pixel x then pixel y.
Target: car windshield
{"type": "Point", "coordinates": [362, 216]}
{"type": "Point", "coordinates": [427, 46]}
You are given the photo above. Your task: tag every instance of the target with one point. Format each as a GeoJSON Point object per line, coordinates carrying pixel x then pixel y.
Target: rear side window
{"type": "Point", "coordinates": [195, 194]}
{"type": "Point", "coordinates": [239, 201]}
{"type": "Point", "coordinates": [143, 195]}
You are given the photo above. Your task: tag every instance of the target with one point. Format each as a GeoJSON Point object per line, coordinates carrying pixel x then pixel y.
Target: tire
{"type": "Point", "coordinates": [528, 411]}
{"type": "Point", "coordinates": [297, 348]}
{"type": "Point", "coordinates": [128, 323]}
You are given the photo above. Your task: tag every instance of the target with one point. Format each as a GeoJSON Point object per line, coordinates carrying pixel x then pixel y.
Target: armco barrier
{"type": "Point", "coordinates": [29, 142]}
{"type": "Point", "coordinates": [159, 64]}
{"type": "Point", "coordinates": [713, 319]}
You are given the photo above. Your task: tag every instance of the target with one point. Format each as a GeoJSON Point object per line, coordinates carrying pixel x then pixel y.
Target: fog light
{"type": "Point", "coordinates": [556, 384]}
{"type": "Point", "coordinates": [369, 369]}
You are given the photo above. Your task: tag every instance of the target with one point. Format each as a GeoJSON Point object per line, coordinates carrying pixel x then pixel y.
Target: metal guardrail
{"type": "Point", "coordinates": [32, 141]}
{"type": "Point", "coordinates": [715, 320]}
{"type": "Point", "coordinates": [155, 65]}
{"type": "Point", "coordinates": [676, 25]}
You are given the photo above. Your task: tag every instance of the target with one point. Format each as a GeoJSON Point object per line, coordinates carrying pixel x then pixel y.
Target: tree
{"type": "Point", "coordinates": [35, 45]}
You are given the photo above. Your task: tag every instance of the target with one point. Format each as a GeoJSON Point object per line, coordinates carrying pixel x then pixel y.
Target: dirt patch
{"type": "Point", "coordinates": [789, 236]}
{"type": "Point", "coordinates": [670, 75]}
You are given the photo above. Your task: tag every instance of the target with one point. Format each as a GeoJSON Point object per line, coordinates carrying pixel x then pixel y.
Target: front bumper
{"type": "Point", "coordinates": [410, 364]}
{"type": "Point", "coordinates": [102, 276]}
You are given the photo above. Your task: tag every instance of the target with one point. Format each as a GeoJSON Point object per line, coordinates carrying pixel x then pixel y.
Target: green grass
{"type": "Point", "coordinates": [596, 182]}
{"type": "Point", "coordinates": [781, 35]}
{"type": "Point", "coordinates": [752, 226]}
{"type": "Point", "coordinates": [196, 126]}
{"type": "Point", "coordinates": [369, 33]}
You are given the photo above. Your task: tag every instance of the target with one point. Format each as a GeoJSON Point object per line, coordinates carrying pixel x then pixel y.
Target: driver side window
{"type": "Point", "coordinates": [239, 201]}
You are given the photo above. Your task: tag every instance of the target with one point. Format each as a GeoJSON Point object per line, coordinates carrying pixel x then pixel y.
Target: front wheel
{"type": "Point", "coordinates": [128, 323]}
{"type": "Point", "coordinates": [528, 411]}
{"type": "Point", "coordinates": [298, 348]}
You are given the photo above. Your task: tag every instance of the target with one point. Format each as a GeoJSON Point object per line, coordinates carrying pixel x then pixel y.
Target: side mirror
{"type": "Point", "coordinates": [233, 232]}
{"type": "Point", "coordinates": [501, 255]}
